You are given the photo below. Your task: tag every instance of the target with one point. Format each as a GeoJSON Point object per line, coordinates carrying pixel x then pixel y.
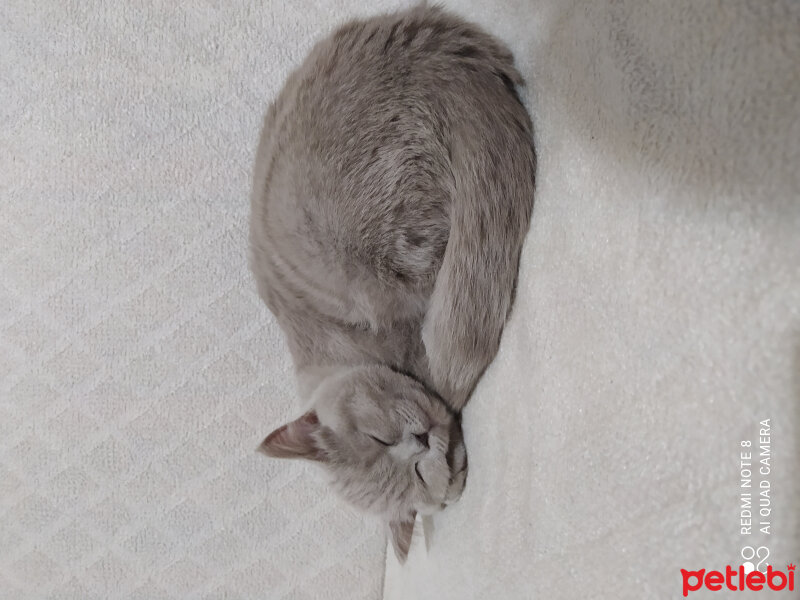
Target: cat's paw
{"type": "Point", "coordinates": [457, 461]}
{"type": "Point", "coordinates": [456, 487]}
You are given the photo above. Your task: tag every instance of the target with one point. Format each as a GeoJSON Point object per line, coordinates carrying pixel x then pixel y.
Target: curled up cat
{"type": "Point", "coordinates": [393, 189]}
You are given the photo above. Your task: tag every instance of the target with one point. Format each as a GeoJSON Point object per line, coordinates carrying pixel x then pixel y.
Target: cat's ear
{"type": "Point", "coordinates": [400, 533]}
{"type": "Point", "coordinates": [294, 440]}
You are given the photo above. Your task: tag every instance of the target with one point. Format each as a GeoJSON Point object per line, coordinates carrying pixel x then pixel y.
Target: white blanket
{"type": "Point", "coordinates": [656, 320]}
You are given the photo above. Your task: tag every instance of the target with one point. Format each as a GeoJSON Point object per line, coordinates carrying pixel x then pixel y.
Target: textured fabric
{"type": "Point", "coordinates": [138, 368]}
{"type": "Point", "coordinates": [658, 312]}
{"type": "Point", "coordinates": [656, 319]}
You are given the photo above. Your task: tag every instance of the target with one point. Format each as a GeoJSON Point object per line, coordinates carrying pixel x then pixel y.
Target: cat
{"type": "Point", "coordinates": [393, 189]}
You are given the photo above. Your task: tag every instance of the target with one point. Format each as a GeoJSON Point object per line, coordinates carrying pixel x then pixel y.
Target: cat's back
{"type": "Point", "coordinates": [354, 176]}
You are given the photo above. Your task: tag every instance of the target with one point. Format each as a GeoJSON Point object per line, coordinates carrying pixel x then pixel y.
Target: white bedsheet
{"type": "Point", "coordinates": [658, 314]}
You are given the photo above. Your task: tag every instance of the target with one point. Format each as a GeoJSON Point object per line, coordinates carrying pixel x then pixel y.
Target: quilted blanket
{"type": "Point", "coordinates": [656, 329]}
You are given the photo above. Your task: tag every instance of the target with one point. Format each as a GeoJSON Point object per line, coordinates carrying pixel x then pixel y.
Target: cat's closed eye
{"type": "Point", "coordinates": [380, 441]}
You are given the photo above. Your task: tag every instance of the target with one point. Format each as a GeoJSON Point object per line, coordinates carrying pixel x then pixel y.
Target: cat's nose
{"type": "Point", "coordinates": [422, 438]}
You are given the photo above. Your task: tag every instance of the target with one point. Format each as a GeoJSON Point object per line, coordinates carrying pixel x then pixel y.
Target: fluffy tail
{"type": "Point", "coordinates": [493, 167]}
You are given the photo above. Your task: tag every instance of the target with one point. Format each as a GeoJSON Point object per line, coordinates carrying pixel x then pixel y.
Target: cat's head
{"type": "Point", "coordinates": [391, 448]}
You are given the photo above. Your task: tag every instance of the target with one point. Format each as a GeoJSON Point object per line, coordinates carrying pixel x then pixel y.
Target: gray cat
{"type": "Point", "coordinates": [393, 189]}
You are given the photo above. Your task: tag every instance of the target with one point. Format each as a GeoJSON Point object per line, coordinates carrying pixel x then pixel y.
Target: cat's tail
{"type": "Point", "coordinates": [493, 166]}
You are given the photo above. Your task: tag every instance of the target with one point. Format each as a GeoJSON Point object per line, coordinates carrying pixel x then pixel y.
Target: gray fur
{"type": "Point", "coordinates": [393, 190]}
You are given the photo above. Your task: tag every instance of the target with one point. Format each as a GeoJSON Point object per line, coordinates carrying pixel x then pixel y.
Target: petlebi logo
{"type": "Point", "coordinates": [755, 527]}
{"type": "Point", "coordinates": [738, 579]}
